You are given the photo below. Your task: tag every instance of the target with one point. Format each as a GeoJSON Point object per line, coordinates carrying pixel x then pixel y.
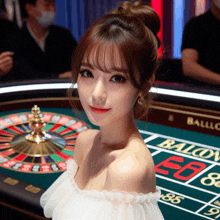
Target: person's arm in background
{"type": "Point", "coordinates": [13, 66]}
{"type": "Point", "coordinates": [23, 69]}
{"type": "Point", "coordinates": [7, 29]}
{"type": "Point", "coordinates": [6, 62]}
{"type": "Point", "coordinates": [193, 69]}
{"type": "Point", "coordinates": [72, 44]}
{"type": "Point", "coordinates": [191, 42]}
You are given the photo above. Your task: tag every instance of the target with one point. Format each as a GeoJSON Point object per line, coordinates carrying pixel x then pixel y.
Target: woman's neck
{"type": "Point", "coordinates": [117, 134]}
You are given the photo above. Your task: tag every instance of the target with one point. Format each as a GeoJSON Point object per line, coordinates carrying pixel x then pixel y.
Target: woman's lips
{"type": "Point", "coordinates": [99, 110]}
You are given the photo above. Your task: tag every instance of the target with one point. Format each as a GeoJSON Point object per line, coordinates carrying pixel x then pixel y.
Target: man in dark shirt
{"type": "Point", "coordinates": [8, 31]}
{"type": "Point", "coordinates": [43, 50]}
{"type": "Point", "coordinates": [201, 47]}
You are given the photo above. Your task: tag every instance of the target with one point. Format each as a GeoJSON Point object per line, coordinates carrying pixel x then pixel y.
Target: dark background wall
{"type": "Point", "coordinates": [78, 15]}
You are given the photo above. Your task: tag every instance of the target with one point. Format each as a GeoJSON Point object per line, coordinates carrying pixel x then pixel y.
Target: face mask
{"type": "Point", "coordinates": [217, 3]}
{"type": "Point", "coordinates": [47, 18]}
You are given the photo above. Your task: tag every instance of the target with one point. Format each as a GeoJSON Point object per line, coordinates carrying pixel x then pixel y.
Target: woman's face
{"type": "Point", "coordinates": [105, 97]}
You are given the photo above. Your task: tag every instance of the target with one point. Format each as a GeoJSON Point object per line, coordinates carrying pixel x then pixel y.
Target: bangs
{"type": "Point", "coordinates": [106, 57]}
{"type": "Point", "coordinates": [115, 45]}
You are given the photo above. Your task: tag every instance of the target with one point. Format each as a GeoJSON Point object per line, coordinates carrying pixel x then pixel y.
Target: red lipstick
{"type": "Point", "coordinates": [99, 110]}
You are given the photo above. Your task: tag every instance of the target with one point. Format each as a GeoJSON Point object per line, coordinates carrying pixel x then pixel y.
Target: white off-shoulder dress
{"type": "Point", "coordinates": [63, 200]}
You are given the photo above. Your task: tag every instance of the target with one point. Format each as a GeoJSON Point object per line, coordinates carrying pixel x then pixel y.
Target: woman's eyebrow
{"type": "Point", "coordinates": [114, 69]}
{"type": "Point", "coordinates": [122, 70]}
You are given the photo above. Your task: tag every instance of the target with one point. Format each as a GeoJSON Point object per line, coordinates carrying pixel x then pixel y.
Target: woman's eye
{"type": "Point", "coordinates": [86, 73]}
{"type": "Point", "coordinates": [119, 79]}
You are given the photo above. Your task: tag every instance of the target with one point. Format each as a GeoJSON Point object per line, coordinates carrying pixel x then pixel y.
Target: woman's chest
{"type": "Point", "coordinates": [93, 171]}
{"type": "Point", "coordinates": [91, 175]}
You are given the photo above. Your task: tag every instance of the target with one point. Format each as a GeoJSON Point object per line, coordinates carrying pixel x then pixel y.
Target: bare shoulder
{"type": "Point", "coordinates": [86, 135]}
{"type": "Point", "coordinates": [134, 170]}
{"type": "Point", "coordinates": [82, 144]}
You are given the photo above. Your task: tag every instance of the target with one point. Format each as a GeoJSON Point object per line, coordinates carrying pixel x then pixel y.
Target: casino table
{"type": "Point", "coordinates": [183, 140]}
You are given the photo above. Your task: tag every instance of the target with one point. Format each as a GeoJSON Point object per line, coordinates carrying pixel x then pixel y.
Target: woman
{"type": "Point", "coordinates": [112, 173]}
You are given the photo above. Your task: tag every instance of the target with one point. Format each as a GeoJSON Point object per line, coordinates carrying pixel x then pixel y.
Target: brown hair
{"type": "Point", "coordinates": [136, 43]}
{"type": "Point", "coordinates": [142, 11]}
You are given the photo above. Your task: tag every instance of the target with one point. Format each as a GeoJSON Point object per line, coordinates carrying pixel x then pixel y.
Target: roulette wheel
{"type": "Point", "coordinates": [35, 144]}
{"type": "Point", "coordinates": [34, 149]}
{"type": "Point", "coordinates": [38, 143]}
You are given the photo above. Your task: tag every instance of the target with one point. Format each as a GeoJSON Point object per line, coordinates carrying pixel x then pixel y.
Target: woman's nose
{"type": "Point", "coordinates": [99, 92]}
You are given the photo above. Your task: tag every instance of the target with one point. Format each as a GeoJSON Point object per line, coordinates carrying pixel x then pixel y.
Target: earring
{"type": "Point", "coordinates": [141, 101]}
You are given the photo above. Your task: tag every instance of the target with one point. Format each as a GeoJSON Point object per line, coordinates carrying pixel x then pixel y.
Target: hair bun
{"type": "Point", "coordinates": [142, 11]}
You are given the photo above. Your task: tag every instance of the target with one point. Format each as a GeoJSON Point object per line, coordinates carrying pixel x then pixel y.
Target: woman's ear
{"type": "Point", "coordinates": [151, 80]}
{"type": "Point", "coordinates": [149, 84]}
{"type": "Point", "coordinates": [147, 87]}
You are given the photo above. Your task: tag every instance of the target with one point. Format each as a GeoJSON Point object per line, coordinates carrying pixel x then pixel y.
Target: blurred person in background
{"type": "Point", "coordinates": [201, 48]}
{"type": "Point", "coordinates": [43, 50]}
{"type": "Point", "coordinates": [8, 32]}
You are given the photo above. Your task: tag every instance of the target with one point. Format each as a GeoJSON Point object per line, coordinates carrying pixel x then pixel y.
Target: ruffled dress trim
{"type": "Point", "coordinates": [63, 200]}
{"type": "Point", "coordinates": [128, 197]}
